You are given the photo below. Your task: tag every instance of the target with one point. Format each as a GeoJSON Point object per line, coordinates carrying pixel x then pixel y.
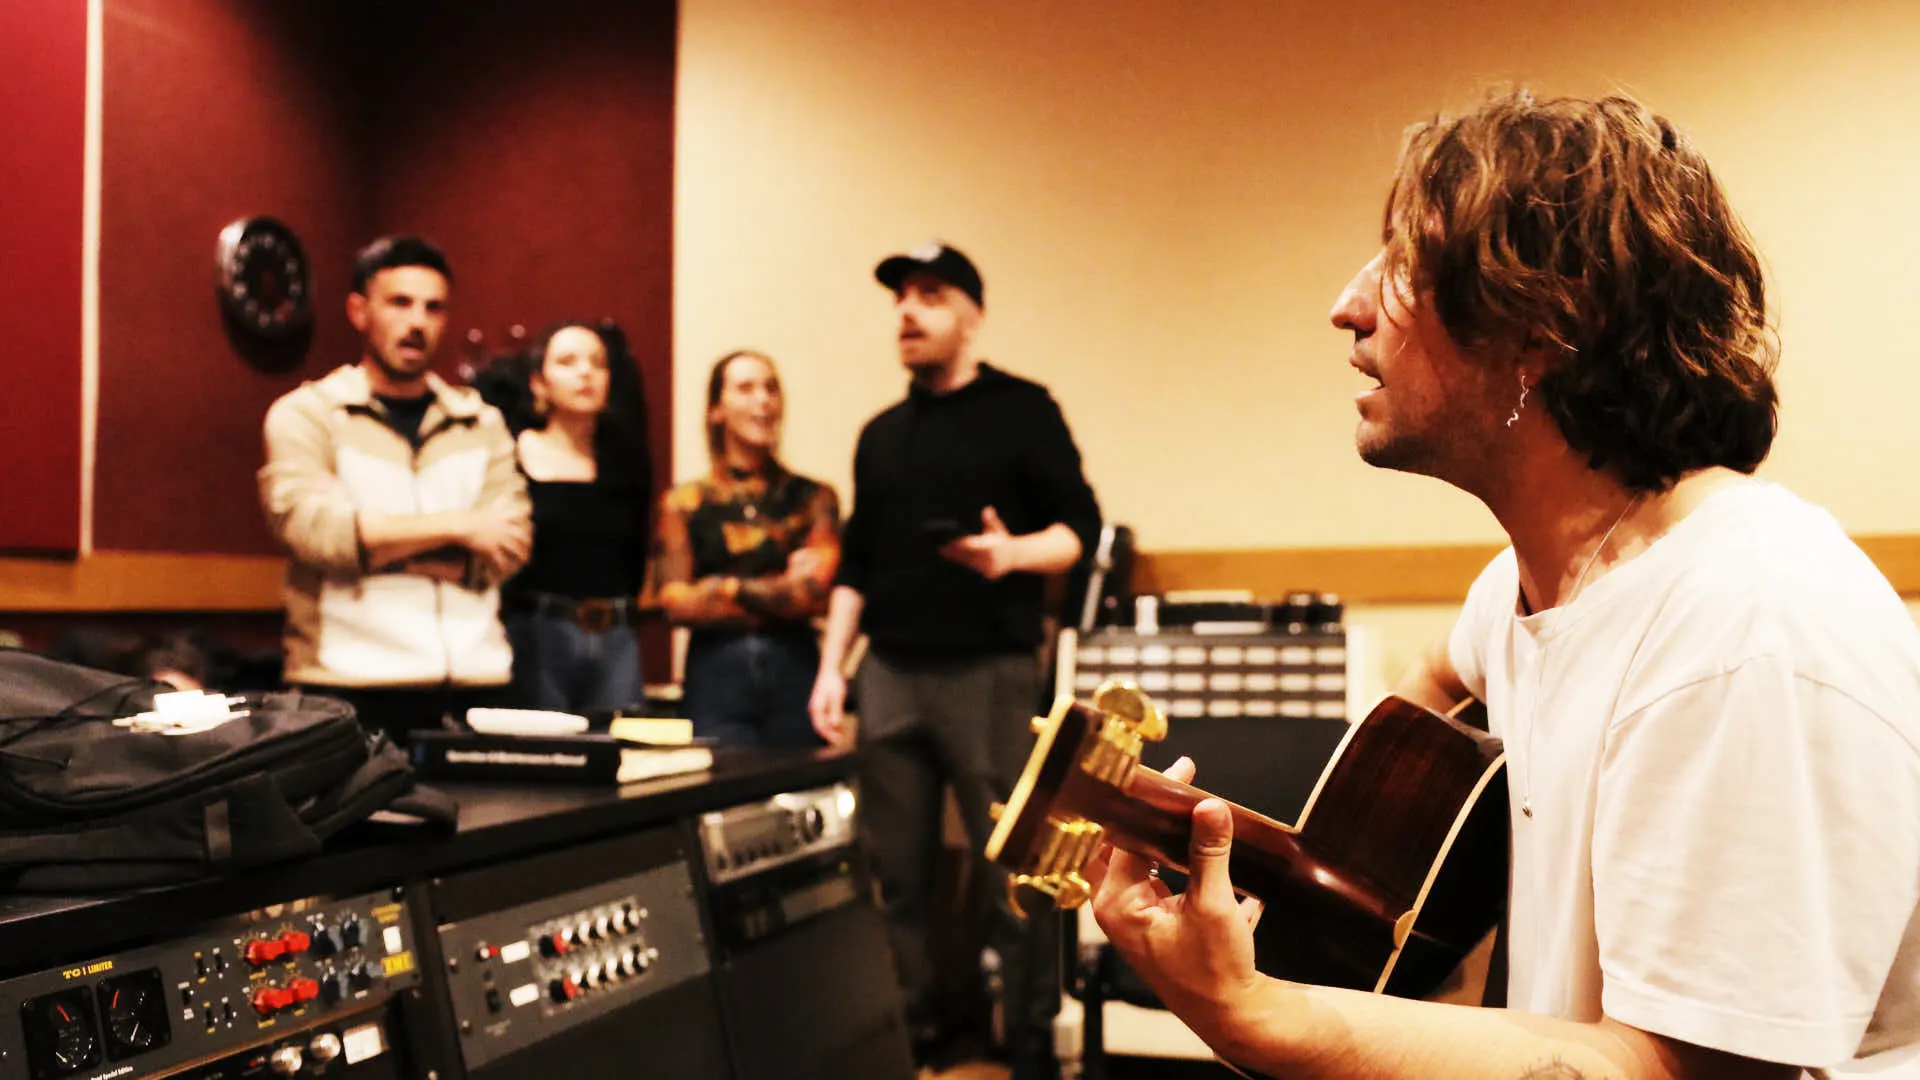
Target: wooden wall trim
{"type": "Point", "coordinates": [138, 581]}
{"type": "Point", "coordinates": [1360, 575]}
{"type": "Point", "coordinates": [1438, 574]}
{"type": "Point", "coordinates": [142, 581]}
{"type": "Point", "coordinates": [1898, 557]}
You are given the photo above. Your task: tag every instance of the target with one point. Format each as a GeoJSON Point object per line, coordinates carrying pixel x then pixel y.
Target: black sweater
{"type": "Point", "coordinates": [998, 441]}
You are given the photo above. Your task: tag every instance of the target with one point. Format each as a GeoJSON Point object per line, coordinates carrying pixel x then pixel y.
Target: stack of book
{"type": "Point", "coordinates": [633, 748]}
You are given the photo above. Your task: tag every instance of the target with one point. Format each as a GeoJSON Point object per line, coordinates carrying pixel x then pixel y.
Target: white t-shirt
{"type": "Point", "coordinates": [1720, 743]}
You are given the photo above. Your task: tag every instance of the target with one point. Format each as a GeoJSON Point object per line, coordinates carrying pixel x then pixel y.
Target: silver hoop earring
{"type": "Point", "coordinates": [1522, 403]}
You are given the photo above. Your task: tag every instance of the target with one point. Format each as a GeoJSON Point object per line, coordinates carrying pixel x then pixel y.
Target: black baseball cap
{"type": "Point", "coordinates": [939, 260]}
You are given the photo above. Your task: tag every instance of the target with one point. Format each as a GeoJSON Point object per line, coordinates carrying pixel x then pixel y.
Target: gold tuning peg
{"type": "Point", "coordinates": [1038, 725]}
{"type": "Point", "coordinates": [1127, 702]}
{"type": "Point", "coordinates": [995, 810]}
{"type": "Point", "coordinates": [1060, 854]}
{"type": "Point", "coordinates": [1068, 891]}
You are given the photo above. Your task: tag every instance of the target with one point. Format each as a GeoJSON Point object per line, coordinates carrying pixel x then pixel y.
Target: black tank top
{"type": "Point", "coordinates": [587, 540]}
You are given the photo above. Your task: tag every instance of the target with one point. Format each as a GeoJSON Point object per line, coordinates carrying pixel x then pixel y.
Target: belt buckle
{"type": "Point", "coordinates": [596, 616]}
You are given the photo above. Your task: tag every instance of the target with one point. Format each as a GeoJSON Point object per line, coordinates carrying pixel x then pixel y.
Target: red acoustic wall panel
{"type": "Point", "coordinates": [43, 71]}
{"type": "Point", "coordinates": [213, 110]}
{"type": "Point", "coordinates": [534, 140]}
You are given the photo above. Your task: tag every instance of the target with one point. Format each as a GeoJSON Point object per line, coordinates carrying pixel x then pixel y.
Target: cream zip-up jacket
{"type": "Point", "coordinates": [330, 456]}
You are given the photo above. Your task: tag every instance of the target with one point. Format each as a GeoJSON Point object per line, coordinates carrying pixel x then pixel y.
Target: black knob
{"type": "Point", "coordinates": [326, 941]}
{"type": "Point", "coordinates": [353, 933]}
{"type": "Point", "coordinates": [333, 987]}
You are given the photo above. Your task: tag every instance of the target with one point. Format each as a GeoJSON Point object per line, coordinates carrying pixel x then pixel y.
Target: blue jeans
{"type": "Point", "coordinates": [557, 665]}
{"type": "Point", "coordinates": [751, 688]}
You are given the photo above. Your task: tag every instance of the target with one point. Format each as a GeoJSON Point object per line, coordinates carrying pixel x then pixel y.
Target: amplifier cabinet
{"type": "Point", "coordinates": [805, 974]}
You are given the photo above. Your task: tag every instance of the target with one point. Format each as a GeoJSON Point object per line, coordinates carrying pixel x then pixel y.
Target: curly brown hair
{"type": "Point", "coordinates": [1594, 229]}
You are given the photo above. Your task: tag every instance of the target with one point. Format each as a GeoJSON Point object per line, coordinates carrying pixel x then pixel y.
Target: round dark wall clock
{"type": "Point", "coordinates": [265, 283]}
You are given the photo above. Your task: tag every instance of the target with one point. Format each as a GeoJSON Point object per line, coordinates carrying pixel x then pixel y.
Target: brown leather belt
{"type": "Point", "coordinates": [594, 614]}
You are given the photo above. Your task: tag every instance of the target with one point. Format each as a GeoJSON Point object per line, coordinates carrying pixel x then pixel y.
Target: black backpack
{"type": "Point", "coordinates": [87, 805]}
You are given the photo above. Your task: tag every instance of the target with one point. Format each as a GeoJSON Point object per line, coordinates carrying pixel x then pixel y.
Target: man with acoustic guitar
{"type": "Point", "coordinates": [1709, 698]}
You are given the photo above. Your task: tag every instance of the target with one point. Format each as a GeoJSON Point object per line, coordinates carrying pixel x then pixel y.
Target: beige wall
{"type": "Point", "coordinates": [1388, 638]}
{"type": "Point", "coordinates": [1165, 197]}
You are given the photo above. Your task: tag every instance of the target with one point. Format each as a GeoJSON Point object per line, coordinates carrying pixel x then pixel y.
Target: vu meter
{"type": "Point", "coordinates": [133, 1010]}
{"type": "Point", "coordinates": [61, 1037]}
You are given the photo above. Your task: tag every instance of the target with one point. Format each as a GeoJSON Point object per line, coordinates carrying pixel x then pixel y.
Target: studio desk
{"type": "Point", "coordinates": [711, 926]}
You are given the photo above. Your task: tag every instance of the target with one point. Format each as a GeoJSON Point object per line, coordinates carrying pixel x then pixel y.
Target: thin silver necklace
{"type": "Point", "coordinates": [1526, 791]}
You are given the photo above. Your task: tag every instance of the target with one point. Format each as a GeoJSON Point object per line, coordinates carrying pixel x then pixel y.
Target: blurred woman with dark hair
{"type": "Point", "coordinates": [745, 557]}
{"type": "Point", "coordinates": [573, 612]}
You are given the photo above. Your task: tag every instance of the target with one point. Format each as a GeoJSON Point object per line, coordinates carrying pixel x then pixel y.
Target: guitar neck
{"type": "Point", "coordinates": [1152, 817]}
{"type": "Point", "coordinates": [1392, 872]}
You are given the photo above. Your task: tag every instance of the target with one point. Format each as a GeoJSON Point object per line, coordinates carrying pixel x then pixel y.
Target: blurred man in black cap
{"type": "Point", "coordinates": [967, 494]}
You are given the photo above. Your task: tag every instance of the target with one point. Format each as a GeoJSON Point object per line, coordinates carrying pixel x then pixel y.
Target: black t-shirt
{"type": "Point", "coordinates": [406, 414]}
{"type": "Point", "coordinates": [587, 539]}
{"type": "Point", "coordinates": [998, 441]}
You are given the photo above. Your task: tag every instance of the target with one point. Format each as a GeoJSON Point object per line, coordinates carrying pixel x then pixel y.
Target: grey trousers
{"type": "Point", "coordinates": [966, 724]}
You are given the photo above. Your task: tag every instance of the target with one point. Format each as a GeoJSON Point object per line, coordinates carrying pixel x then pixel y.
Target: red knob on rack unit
{"type": "Point", "coordinates": [271, 999]}
{"type": "Point", "coordinates": [304, 989]}
{"type": "Point", "coordinates": [264, 950]}
{"type": "Point", "coordinates": [293, 941]}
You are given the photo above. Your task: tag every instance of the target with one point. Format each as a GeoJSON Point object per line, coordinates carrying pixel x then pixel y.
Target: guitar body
{"type": "Point", "coordinates": [1395, 870]}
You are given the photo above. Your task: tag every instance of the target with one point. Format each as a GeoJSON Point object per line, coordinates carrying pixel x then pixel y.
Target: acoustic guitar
{"type": "Point", "coordinates": [1395, 870]}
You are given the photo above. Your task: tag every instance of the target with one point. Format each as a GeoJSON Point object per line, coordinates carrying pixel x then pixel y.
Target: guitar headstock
{"type": "Point", "coordinates": [1036, 835]}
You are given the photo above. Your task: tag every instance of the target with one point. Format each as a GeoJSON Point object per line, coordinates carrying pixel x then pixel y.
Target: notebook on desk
{"type": "Point", "coordinates": [586, 758]}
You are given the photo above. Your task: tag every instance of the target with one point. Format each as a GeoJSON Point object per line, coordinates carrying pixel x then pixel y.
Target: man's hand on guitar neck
{"type": "Point", "coordinates": [1196, 951]}
{"type": "Point", "coordinates": [1196, 946]}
